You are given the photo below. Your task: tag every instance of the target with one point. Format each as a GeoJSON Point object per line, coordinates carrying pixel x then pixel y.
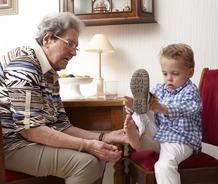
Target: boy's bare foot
{"type": "Point", "coordinates": [132, 132]}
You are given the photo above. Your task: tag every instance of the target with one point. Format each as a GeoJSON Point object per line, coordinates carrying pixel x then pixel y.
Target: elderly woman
{"type": "Point", "coordinates": [39, 139]}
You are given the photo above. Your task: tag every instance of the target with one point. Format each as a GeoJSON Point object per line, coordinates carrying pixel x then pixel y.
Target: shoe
{"type": "Point", "coordinates": [139, 86]}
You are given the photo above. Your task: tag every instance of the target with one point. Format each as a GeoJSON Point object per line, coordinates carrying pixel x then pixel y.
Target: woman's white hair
{"type": "Point", "coordinates": [57, 24]}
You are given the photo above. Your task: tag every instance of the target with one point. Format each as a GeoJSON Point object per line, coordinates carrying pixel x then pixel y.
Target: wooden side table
{"type": "Point", "coordinates": [98, 115]}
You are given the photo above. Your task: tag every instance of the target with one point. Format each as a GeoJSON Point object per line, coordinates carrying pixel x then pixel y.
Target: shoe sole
{"type": "Point", "coordinates": [139, 86]}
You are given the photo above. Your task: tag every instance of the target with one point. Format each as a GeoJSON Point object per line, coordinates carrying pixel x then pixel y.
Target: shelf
{"type": "Point", "coordinates": [110, 12]}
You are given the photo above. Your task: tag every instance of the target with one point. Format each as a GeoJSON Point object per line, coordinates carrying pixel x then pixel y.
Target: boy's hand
{"type": "Point", "coordinates": [128, 102]}
{"type": "Point", "coordinates": [158, 107]}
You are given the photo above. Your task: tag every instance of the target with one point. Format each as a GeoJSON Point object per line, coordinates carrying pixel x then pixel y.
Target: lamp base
{"type": "Point", "coordinates": [100, 87]}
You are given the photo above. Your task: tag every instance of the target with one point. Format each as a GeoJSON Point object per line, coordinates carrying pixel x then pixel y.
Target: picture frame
{"type": "Point", "coordinates": [8, 7]}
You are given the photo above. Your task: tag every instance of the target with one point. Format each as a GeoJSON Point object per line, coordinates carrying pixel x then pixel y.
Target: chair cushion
{"type": "Point", "coordinates": [13, 175]}
{"type": "Point", "coordinates": [147, 158]}
{"type": "Point", "coordinates": [200, 160]}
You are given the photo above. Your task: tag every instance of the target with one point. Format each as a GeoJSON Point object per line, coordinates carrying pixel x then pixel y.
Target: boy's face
{"type": "Point", "coordinates": [175, 72]}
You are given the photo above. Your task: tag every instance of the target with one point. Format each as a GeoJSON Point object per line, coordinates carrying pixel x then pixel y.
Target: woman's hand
{"type": "Point", "coordinates": [116, 136]}
{"type": "Point", "coordinates": [102, 150]}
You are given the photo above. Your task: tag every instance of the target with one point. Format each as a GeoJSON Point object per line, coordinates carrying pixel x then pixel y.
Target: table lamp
{"type": "Point", "coordinates": [99, 44]}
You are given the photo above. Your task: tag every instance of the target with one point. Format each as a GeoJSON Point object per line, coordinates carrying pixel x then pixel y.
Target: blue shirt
{"type": "Point", "coordinates": [183, 123]}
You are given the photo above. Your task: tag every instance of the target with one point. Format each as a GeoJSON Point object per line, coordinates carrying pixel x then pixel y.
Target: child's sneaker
{"type": "Point", "coordinates": [140, 89]}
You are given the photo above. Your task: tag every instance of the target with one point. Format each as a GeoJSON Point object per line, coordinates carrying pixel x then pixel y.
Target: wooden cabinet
{"type": "Point", "coordinates": [109, 12]}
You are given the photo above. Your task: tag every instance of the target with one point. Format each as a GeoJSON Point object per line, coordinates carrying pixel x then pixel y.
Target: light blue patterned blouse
{"type": "Point", "coordinates": [29, 95]}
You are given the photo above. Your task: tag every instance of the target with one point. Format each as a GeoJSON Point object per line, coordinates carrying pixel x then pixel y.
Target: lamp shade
{"type": "Point", "coordinates": [99, 43]}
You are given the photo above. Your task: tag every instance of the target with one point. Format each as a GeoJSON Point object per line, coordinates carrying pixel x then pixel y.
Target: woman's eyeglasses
{"type": "Point", "coordinates": [70, 44]}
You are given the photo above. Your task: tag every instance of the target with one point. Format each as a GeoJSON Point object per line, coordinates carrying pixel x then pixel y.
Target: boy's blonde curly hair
{"type": "Point", "coordinates": [177, 51]}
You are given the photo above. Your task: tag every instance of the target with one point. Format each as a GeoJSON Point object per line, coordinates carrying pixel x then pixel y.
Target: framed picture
{"type": "Point", "coordinates": [8, 7]}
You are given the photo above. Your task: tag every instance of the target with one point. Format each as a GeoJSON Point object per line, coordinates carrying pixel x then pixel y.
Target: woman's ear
{"type": "Point", "coordinates": [46, 40]}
